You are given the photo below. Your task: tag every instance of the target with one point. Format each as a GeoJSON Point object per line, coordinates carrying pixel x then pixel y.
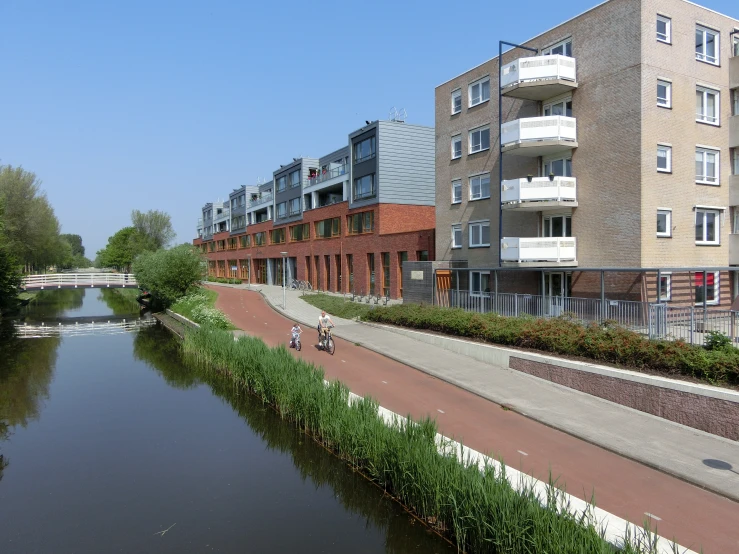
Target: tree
{"type": "Point", "coordinates": [155, 226]}
{"type": "Point", "coordinates": [120, 250]}
{"type": "Point", "coordinates": [168, 274]}
{"type": "Point", "coordinates": [10, 278]}
{"type": "Point", "coordinates": [75, 241]}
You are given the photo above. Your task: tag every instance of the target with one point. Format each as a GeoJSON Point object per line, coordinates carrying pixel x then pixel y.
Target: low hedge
{"type": "Point", "coordinates": [227, 280]}
{"type": "Point", "coordinates": [337, 306]}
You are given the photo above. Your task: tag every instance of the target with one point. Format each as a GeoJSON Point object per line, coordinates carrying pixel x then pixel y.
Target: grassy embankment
{"type": "Point", "coordinates": [199, 306]}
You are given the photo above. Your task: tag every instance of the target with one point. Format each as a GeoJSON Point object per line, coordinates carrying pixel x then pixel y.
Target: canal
{"type": "Point", "coordinates": [110, 443]}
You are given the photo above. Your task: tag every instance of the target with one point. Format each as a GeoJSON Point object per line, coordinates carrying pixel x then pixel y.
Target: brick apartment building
{"type": "Point", "coordinates": [345, 222]}
{"type": "Point", "coordinates": [620, 141]}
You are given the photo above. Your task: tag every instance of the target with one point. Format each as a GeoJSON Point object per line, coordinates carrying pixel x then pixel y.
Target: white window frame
{"type": "Point", "coordinates": [479, 130]}
{"type": "Point", "coordinates": [667, 39]}
{"type": "Point", "coordinates": [666, 290]}
{"type": "Point", "coordinates": [735, 44]}
{"type": "Point", "coordinates": [735, 101]}
{"type": "Point", "coordinates": [735, 221]}
{"type": "Point", "coordinates": [716, 41]}
{"type": "Point", "coordinates": [284, 214]}
{"type": "Point", "coordinates": [456, 94]}
{"type": "Point", "coordinates": [456, 139]}
{"type": "Point", "coordinates": [667, 212]}
{"type": "Point", "coordinates": [716, 288]}
{"type": "Point", "coordinates": [482, 100]}
{"type": "Point", "coordinates": [717, 226]}
{"type": "Point", "coordinates": [707, 150]}
{"type": "Point", "coordinates": [547, 161]}
{"type": "Point", "coordinates": [456, 187]}
{"type": "Point", "coordinates": [702, 117]}
{"type": "Point", "coordinates": [548, 50]}
{"type": "Point", "coordinates": [281, 180]}
{"type": "Point", "coordinates": [735, 161]}
{"type": "Point", "coordinates": [668, 86]}
{"type": "Point", "coordinates": [291, 183]}
{"type": "Point", "coordinates": [480, 292]}
{"type": "Point", "coordinates": [668, 155]}
{"type": "Point", "coordinates": [456, 233]}
{"type": "Point", "coordinates": [290, 203]}
{"type": "Point", "coordinates": [481, 224]}
{"type": "Point", "coordinates": [480, 195]}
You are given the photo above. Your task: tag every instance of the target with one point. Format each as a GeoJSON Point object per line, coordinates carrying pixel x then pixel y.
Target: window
{"type": "Point", "coordinates": [479, 283]}
{"type": "Point", "coordinates": [735, 101]}
{"type": "Point", "coordinates": [479, 91]}
{"type": "Point", "coordinates": [735, 221]}
{"type": "Point", "coordinates": [371, 271]}
{"type": "Point", "coordinates": [479, 139]}
{"type": "Point", "coordinates": [328, 228]}
{"type": "Point", "coordinates": [558, 226]}
{"type": "Point", "coordinates": [277, 236]}
{"type": "Point", "coordinates": [363, 222]}
{"type": "Point", "coordinates": [402, 257]}
{"type": "Point", "coordinates": [735, 45]}
{"type": "Point", "coordinates": [706, 105]}
{"type": "Point", "coordinates": [456, 147]}
{"type": "Point", "coordinates": [560, 167]}
{"type": "Point", "coordinates": [364, 150]}
{"type": "Point", "coordinates": [664, 158]}
{"type": "Point", "coordinates": [422, 255]}
{"type": "Point", "coordinates": [364, 187]}
{"type": "Point", "coordinates": [295, 178]}
{"type": "Point", "coordinates": [563, 48]}
{"type": "Point", "coordinates": [709, 290]}
{"type": "Point", "coordinates": [479, 234]}
{"type": "Point", "coordinates": [456, 236]}
{"type": "Point", "coordinates": [480, 187]}
{"type": "Point", "coordinates": [385, 256]}
{"type": "Point", "coordinates": [282, 209]}
{"type": "Point", "coordinates": [735, 161]}
{"type": "Point", "coordinates": [563, 107]}
{"type": "Point", "coordinates": [706, 166]}
{"type": "Point", "coordinates": [707, 226]}
{"type": "Point", "coordinates": [295, 206]}
{"type": "Point", "coordinates": [664, 29]}
{"type": "Point", "coordinates": [456, 101]}
{"type": "Point", "coordinates": [456, 192]}
{"type": "Point", "coordinates": [281, 183]}
{"type": "Point", "coordinates": [665, 287]}
{"type": "Point", "coordinates": [245, 241]}
{"type": "Point", "coordinates": [299, 233]}
{"type": "Point", "coordinates": [664, 94]}
{"type": "Point", "coordinates": [664, 222]}
{"type": "Point", "coordinates": [706, 45]}
{"type": "Point", "coordinates": [260, 238]}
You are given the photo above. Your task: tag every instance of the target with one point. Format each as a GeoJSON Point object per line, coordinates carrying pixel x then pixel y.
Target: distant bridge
{"type": "Point", "coordinates": [76, 329]}
{"type": "Point", "coordinates": [79, 280]}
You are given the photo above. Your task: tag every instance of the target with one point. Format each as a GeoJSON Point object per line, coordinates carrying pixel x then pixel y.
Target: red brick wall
{"type": "Point", "coordinates": [397, 218]}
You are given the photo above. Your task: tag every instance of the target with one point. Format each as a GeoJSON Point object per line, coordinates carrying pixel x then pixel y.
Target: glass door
{"type": "Point", "coordinates": [563, 107]}
{"type": "Point", "coordinates": [555, 292]}
{"type": "Point", "coordinates": [557, 226]}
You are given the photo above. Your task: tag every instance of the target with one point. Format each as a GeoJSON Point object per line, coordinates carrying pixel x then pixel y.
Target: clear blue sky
{"type": "Point", "coordinates": [169, 105]}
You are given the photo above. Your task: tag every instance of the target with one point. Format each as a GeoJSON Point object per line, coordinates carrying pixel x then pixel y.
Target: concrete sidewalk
{"type": "Point", "coordinates": [653, 441]}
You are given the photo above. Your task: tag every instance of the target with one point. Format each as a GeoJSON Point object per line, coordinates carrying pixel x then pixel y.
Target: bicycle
{"type": "Point", "coordinates": [296, 342]}
{"type": "Point", "coordinates": [327, 342]}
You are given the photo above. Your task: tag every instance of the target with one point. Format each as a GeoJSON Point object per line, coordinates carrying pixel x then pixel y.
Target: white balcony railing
{"type": "Point", "coordinates": [264, 199]}
{"type": "Point", "coordinates": [328, 174]}
{"type": "Point", "coordinates": [531, 129]}
{"type": "Point", "coordinates": [539, 68]}
{"type": "Point", "coordinates": [540, 189]}
{"type": "Point", "coordinates": [539, 249]}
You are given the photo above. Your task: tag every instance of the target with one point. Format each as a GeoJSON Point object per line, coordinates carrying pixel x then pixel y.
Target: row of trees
{"type": "Point", "coordinates": [148, 232]}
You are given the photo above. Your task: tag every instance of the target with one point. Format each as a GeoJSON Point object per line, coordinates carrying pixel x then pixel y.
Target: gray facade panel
{"type": "Point", "coordinates": [406, 157]}
{"type": "Point", "coordinates": [364, 168]}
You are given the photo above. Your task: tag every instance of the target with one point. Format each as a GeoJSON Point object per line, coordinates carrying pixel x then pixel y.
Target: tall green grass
{"type": "Point", "coordinates": [199, 306]}
{"type": "Point", "coordinates": [480, 510]}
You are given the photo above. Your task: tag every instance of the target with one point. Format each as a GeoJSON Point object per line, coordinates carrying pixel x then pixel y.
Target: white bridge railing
{"type": "Point", "coordinates": [77, 280]}
{"type": "Point", "coordinates": [34, 331]}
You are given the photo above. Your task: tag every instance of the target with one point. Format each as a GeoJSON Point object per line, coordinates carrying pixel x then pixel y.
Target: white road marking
{"type": "Point", "coordinates": [385, 382]}
{"type": "Point", "coordinates": [652, 516]}
{"type": "Point", "coordinates": [522, 452]}
{"type": "Point", "coordinates": [343, 361]}
{"type": "Point", "coordinates": [440, 411]}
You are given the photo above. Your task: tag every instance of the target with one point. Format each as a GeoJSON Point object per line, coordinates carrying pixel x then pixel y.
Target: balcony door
{"type": "Point", "coordinates": [563, 107]}
{"type": "Point", "coordinates": [561, 167]}
{"type": "Point", "coordinates": [557, 226]}
{"type": "Point", "coordinates": [556, 290]}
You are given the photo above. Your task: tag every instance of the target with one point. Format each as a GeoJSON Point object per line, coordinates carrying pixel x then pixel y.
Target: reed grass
{"type": "Point", "coordinates": [478, 509]}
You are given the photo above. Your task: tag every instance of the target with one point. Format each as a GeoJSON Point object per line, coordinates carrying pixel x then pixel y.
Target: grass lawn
{"type": "Point", "coordinates": [335, 305]}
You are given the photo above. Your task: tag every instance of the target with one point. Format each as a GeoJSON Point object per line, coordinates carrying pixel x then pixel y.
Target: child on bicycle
{"type": "Point", "coordinates": [295, 332]}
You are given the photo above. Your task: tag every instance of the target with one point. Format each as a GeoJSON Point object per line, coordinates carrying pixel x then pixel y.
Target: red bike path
{"type": "Point", "coordinates": [695, 518]}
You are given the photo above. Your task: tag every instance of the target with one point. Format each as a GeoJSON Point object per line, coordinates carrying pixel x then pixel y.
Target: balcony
{"type": "Point", "coordinates": [329, 175]}
{"type": "Point", "coordinates": [539, 136]}
{"type": "Point", "coordinates": [539, 77]}
{"type": "Point", "coordinates": [265, 198]}
{"type": "Point", "coordinates": [539, 251]}
{"type": "Point", "coordinates": [540, 193]}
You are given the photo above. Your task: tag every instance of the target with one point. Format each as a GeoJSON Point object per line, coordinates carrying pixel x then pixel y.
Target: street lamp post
{"type": "Point", "coordinates": [284, 273]}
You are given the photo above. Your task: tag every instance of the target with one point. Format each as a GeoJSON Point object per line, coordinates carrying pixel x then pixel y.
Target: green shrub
{"type": "Point", "coordinates": [716, 340]}
{"type": "Point", "coordinates": [227, 280]}
{"type": "Point", "coordinates": [168, 274]}
{"type": "Point", "coordinates": [199, 306]}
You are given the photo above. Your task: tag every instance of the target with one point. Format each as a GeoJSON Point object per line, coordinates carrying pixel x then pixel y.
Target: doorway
{"type": "Point", "coordinates": [556, 290]}
{"type": "Point", "coordinates": [557, 226]}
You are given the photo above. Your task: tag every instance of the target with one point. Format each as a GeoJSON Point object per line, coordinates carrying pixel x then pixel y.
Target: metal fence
{"type": "Point", "coordinates": [657, 321]}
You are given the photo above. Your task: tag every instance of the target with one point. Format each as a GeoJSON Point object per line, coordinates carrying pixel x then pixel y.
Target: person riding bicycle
{"type": "Point", "coordinates": [295, 332]}
{"type": "Point", "coordinates": [323, 324]}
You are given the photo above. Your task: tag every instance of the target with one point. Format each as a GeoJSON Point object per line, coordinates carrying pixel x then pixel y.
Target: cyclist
{"type": "Point", "coordinates": [295, 331]}
{"type": "Point", "coordinates": [323, 322]}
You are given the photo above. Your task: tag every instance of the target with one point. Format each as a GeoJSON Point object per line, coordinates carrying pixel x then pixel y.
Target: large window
{"type": "Point", "coordinates": [328, 228]}
{"type": "Point", "coordinates": [456, 101]}
{"type": "Point", "coordinates": [456, 192]}
{"type": "Point", "coordinates": [299, 233]}
{"type": "Point", "coordinates": [402, 257]}
{"type": "Point", "coordinates": [707, 105]}
{"type": "Point", "coordinates": [260, 239]}
{"type": "Point", "coordinates": [664, 158]}
{"type": "Point", "coordinates": [706, 166]}
{"type": "Point", "coordinates": [456, 236]}
{"type": "Point", "coordinates": [295, 178]}
{"type": "Point", "coordinates": [364, 187]}
{"type": "Point", "coordinates": [456, 147]}
{"type": "Point", "coordinates": [245, 241]}
{"type": "Point", "coordinates": [295, 206]}
{"type": "Point", "coordinates": [277, 236]}
{"type": "Point", "coordinates": [563, 48]}
{"type": "Point", "coordinates": [561, 107]}
{"type": "Point", "coordinates": [479, 234]}
{"type": "Point", "coordinates": [560, 167]}
{"type": "Point", "coordinates": [480, 187]}
{"type": "Point", "coordinates": [479, 139]}
{"type": "Point", "coordinates": [422, 255]}
{"type": "Point", "coordinates": [707, 226]}
{"type": "Point", "coordinates": [364, 150]}
{"type": "Point", "coordinates": [479, 91]}
{"type": "Point", "coordinates": [479, 283]}
{"type": "Point", "coordinates": [706, 45]}
{"type": "Point", "coordinates": [664, 94]}
{"type": "Point", "coordinates": [371, 271]}
{"type": "Point", "coordinates": [708, 290]}
{"type": "Point", "coordinates": [664, 29]}
{"type": "Point", "coordinates": [735, 102]}
{"type": "Point", "coordinates": [281, 183]}
{"type": "Point", "coordinates": [360, 223]}
{"type": "Point", "coordinates": [665, 287]}
{"type": "Point", "coordinates": [735, 161]}
{"type": "Point", "coordinates": [735, 45]}
{"type": "Point", "coordinates": [664, 222]}
{"type": "Point", "coordinates": [282, 209]}
{"type": "Point", "coordinates": [557, 226]}
{"type": "Point", "coordinates": [385, 273]}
